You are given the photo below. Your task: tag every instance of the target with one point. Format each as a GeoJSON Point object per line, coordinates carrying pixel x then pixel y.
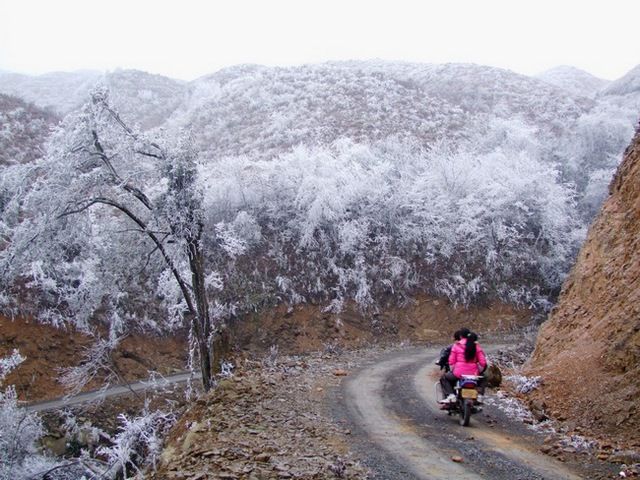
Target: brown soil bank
{"type": "Point", "coordinates": [588, 352]}
{"type": "Point", "coordinates": [48, 350]}
{"type": "Point", "coordinates": [306, 328]}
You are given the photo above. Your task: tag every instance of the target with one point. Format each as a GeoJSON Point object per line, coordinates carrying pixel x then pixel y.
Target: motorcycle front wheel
{"type": "Point", "coordinates": [465, 412]}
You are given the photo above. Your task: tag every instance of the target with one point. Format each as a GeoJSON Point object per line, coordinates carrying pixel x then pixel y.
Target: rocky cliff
{"type": "Point", "coordinates": [588, 352]}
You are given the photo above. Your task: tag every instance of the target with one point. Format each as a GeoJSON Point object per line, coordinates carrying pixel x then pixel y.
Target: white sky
{"type": "Point", "coordinates": [189, 38]}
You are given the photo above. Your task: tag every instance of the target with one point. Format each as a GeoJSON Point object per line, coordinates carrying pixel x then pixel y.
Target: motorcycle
{"type": "Point", "coordinates": [466, 404]}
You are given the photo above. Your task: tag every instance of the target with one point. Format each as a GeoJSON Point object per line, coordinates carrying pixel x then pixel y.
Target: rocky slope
{"type": "Point", "coordinates": [267, 422]}
{"type": "Point", "coordinates": [588, 352]}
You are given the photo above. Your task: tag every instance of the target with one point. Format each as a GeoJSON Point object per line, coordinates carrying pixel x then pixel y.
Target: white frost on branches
{"type": "Point", "coordinates": [138, 443]}
{"type": "Point", "coordinates": [96, 361]}
{"type": "Point", "coordinates": [7, 364]}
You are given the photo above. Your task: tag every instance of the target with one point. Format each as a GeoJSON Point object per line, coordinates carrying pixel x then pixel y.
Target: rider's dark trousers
{"type": "Point", "coordinates": [448, 382]}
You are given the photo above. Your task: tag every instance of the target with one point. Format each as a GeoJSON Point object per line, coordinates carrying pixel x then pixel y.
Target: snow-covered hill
{"type": "Point", "coordinates": [628, 84]}
{"type": "Point", "coordinates": [60, 91]}
{"type": "Point", "coordinates": [264, 111]}
{"type": "Point", "coordinates": [142, 98]}
{"type": "Point", "coordinates": [573, 80]}
{"type": "Point", "coordinates": [24, 129]}
{"type": "Point", "coordinates": [483, 89]}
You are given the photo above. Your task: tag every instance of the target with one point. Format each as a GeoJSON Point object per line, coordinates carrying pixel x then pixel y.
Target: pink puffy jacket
{"type": "Point", "coordinates": [459, 366]}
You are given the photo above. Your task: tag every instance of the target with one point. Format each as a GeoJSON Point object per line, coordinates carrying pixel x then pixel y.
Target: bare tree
{"type": "Point", "coordinates": [100, 174]}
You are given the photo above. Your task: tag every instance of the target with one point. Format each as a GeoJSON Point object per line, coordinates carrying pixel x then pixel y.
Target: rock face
{"type": "Point", "coordinates": [588, 352]}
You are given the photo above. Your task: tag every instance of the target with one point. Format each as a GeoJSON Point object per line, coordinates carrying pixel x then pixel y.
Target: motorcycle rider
{"type": "Point", "coordinates": [443, 361]}
{"type": "Point", "coordinates": [466, 358]}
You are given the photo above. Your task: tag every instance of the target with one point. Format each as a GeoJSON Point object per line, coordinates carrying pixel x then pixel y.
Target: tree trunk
{"type": "Point", "coordinates": [203, 322]}
{"type": "Point", "coordinates": [205, 364]}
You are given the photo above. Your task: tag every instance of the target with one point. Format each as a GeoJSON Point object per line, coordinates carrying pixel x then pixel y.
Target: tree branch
{"type": "Point", "coordinates": [130, 132]}
{"type": "Point", "coordinates": [149, 154]}
{"type": "Point", "coordinates": [150, 254]}
{"type": "Point", "coordinates": [184, 286]}
{"type": "Point", "coordinates": [136, 192]}
{"type": "Point", "coordinates": [44, 475]}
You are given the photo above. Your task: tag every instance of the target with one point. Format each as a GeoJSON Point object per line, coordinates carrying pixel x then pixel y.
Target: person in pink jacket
{"type": "Point", "coordinates": [466, 358]}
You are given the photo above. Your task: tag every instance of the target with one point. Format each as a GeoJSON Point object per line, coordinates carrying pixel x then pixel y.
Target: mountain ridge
{"type": "Point", "coordinates": [573, 80]}
{"type": "Point", "coordinates": [264, 112]}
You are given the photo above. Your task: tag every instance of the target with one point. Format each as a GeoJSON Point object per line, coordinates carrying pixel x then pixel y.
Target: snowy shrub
{"type": "Point", "coordinates": [580, 443]}
{"type": "Point", "coordinates": [20, 431]}
{"type": "Point", "coordinates": [96, 361]}
{"type": "Point", "coordinates": [271, 359]}
{"type": "Point", "coordinates": [524, 384]}
{"type": "Point", "coordinates": [7, 364]}
{"type": "Point", "coordinates": [138, 443]}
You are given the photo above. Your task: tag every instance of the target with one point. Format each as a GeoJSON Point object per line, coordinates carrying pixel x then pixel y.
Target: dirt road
{"type": "Point", "coordinates": [116, 390]}
{"type": "Point", "coordinates": [398, 428]}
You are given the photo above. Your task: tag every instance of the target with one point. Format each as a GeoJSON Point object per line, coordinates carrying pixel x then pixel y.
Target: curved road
{"type": "Point", "coordinates": [392, 405]}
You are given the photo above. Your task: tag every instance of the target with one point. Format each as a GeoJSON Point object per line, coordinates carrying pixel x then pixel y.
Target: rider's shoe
{"type": "Point", "coordinates": [450, 399]}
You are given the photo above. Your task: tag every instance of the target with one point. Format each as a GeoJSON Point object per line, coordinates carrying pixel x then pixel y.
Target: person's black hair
{"type": "Point", "coordinates": [470, 347]}
{"type": "Point", "coordinates": [456, 335]}
{"type": "Point", "coordinates": [464, 331]}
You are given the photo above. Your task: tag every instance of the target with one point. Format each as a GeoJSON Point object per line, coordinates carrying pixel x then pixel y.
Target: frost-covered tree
{"type": "Point", "coordinates": [113, 219]}
{"type": "Point", "coordinates": [369, 222]}
{"type": "Point", "coordinates": [590, 153]}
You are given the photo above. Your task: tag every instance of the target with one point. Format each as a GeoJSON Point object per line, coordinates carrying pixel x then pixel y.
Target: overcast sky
{"type": "Point", "coordinates": [189, 38]}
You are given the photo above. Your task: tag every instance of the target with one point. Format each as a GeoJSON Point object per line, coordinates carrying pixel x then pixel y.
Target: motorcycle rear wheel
{"type": "Point", "coordinates": [465, 412]}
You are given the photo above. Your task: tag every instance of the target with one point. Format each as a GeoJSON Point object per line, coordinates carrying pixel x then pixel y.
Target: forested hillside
{"type": "Point", "coordinates": [59, 91]}
{"type": "Point", "coordinates": [356, 181]}
{"type": "Point", "coordinates": [24, 129]}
